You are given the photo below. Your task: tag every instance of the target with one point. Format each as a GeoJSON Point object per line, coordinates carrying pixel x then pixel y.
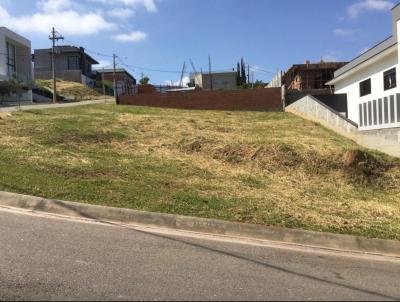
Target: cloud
{"type": "Point", "coordinates": [58, 14]}
{"type": "Point", "coordinates": [353, 11]}
{"type": "Point", "coordinates": [135, 36]}
{"type": "Point", "coordinates": [122, 13]}
{"type": "Point", "coordinates": [150, 5]}
{"type": "Point", "coordinates": [344, 32]}
{"type": "Point", "coordinates": [103, 64]}
{"type": "Point", "coordinates": [185, 81]}
{"type": "Point", "coordinates": [54, 5]}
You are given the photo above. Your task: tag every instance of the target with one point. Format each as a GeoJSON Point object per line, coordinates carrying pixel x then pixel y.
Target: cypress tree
{"type": "Point", "coordinates": [243, 72]}
{"type": "Point", "coordinates": [238, 77]}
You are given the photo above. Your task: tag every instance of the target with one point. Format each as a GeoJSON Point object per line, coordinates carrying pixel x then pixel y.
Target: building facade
{"type": "Point", "coordinates": [15, 61]}
{"type": "Point", "coordinates": [125, 82]}
{"type": "Point", "coordinates": [71, 64]}
{"type": "Point", "coordinates": [15, 56]}
{"type": "Point", "coordinates": [370, 83]}
{"type": "Point", "coordinates": [310, 76]}
{"type": "Point", "coordinates": [220, 80]}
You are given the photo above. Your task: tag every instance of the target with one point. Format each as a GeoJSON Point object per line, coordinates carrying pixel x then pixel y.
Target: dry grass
{"type": "Point", "coordinates": [72, 90]}
{"type": "Point", "coordinates": [266, 168]}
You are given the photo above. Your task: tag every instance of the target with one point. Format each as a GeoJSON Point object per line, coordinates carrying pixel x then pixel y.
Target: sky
{"type": "Point", "coordinates": [156, 37]}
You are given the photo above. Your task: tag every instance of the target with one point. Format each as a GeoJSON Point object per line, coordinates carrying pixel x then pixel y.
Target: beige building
{"type": "Point", "coordinates": [220, 80]}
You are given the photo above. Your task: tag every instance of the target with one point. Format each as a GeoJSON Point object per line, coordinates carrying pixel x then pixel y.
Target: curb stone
{"type": "Point", "coordinates": [202, 225]}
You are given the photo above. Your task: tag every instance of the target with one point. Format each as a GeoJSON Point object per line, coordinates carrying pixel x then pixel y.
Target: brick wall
{"type": "Point", "coordinates": [268, 99]}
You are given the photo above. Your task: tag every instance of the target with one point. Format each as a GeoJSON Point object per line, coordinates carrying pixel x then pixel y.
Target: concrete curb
{"type": "Point", "coordinates": [211, 226]}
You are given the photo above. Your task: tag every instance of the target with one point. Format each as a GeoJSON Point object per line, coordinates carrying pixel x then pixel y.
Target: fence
{"type": "Point", "coordinates": [253, 100]}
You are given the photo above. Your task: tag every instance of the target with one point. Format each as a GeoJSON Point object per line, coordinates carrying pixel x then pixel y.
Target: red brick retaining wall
{"type": "Point", "coordinates": [268, 99]}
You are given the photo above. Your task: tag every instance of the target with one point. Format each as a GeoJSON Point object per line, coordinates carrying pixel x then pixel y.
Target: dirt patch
{"type": "Point", "coordinates": [368, 169]}
{"type": "Point", "coordinates": [196, 145]}
{"type": "Point", "coordinates": [4, 115]}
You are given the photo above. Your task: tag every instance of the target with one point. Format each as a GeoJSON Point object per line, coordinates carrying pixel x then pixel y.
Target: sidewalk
{"type": "Point", "coordinates": [59, 105]}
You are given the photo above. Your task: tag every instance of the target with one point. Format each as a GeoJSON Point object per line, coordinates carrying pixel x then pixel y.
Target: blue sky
{"type": "Point", "coordinates": [162, 34]}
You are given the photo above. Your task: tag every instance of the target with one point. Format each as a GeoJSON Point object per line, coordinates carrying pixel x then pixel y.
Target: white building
{"type": "Point", "coordinates": [15, 56]}
{"type": "Point", "coordinates": [370, 82]}
{"type": "Point", "coordinates": [223, 80]}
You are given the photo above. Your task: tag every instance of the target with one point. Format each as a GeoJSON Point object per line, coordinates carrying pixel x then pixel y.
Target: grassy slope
{"type": "Point", "coordinates": [72, 90]}
{"type": "Point", "coordinates": [266, 168]}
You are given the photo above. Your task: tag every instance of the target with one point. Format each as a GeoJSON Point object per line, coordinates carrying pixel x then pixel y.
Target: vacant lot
{"type": "Point", "coordinates": [265, 168]}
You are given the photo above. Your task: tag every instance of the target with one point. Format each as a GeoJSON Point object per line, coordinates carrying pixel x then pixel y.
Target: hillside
{"type": "Point", "coordinates": [72, 90]}
{"type": "Point", "coordinates": [265, 168]}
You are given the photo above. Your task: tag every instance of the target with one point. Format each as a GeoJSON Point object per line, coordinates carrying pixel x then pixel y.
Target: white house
{"type": "Point", "coordinates": [370, 82]}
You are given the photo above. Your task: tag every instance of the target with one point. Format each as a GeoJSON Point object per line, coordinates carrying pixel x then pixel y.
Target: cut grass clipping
{"type": "Point", "coordinates": [265, 168]}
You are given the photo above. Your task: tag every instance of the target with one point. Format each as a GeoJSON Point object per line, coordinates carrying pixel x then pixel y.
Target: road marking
{"type": "Point", "coordinates": [206, 236]}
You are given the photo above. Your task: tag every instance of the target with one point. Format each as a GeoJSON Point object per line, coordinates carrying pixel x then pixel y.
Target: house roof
{"type": "Point", "coordinates": [372, 52]}
{"type": "Point", "coordinates": [375, 50]}
{"type": "Point", "coordinates": [14, 35]}
{"type": "Point", "coordinates": [117, 70]}
{"type": "Point", "coordinates": [70, 49]}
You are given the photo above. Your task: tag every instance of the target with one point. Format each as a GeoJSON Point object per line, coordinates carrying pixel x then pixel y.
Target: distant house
{"type": "Point", "coordinates": [15, 61]}
{"type": "Point", "coordinates": [72, 64]}
{"type": "Point", "coordinates": [309, 76]}
{"type": "Point", "coordinates": [370, 83]}
{"type": "Point", "coordinates": [125, 82]}
{"type": "Point", "coordinates": [15, 56]}
{"type": "Point", "coordinates": [224, 80]}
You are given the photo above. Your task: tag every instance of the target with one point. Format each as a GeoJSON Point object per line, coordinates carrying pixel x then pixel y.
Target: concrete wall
{"type": "Point", "coordinates": [384, 140]}
{"type": "Point", "coordinates": [312, 109]}
{"type": "Point", "coordinates": [253, 99]}
{"type": "Point", "coordinates": [23, 55]}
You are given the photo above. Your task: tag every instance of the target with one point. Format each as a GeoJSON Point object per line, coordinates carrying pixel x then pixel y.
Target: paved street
{"type": "Point", "coordinates": [50, 106]}
{"type": "Point", "coordinates": [47, 257]}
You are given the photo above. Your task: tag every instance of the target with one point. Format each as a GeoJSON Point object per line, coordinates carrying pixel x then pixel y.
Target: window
{"type": "Point", "coordinates": [365, 87]}
{"type": "Point", "coordinates": [392, 113]}
{"type": "Point", "coordinates": [73, 63]}
{"type": "Point", "coordinates": [365, 115]}
{"type": "Point", "coordinates": [380, 111]}
{"type": "Point", "coordinates": [389, 79]}
{"type": "Point", "coordinates": [375, 111]}
{"type": "Point", "coordinates": [369, 113]}
{"type": "Point", "coordinates": [360, 112]}
{"type": "Point", "coordinates": [386, 110]}
{"type": "Point", "coordinates": [398, 107]}
{"type": "Point", "coordinates": [11, 69]}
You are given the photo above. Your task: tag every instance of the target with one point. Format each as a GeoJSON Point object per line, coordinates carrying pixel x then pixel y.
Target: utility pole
{"type": "Point", "coordinates": [103, 86]}
{"type": "Point", "coordinates": [248, 73]}
{"type": "Point", "coordinates": [183, 73]}
{"type": "Point", "coordinates": [114, 80]}
{"type": "Point", "coordinates": [210, 73]}
{"type": "Point", "coordinates": [54, 37]}
{"type": "Point", "coordinates": [252, 79]}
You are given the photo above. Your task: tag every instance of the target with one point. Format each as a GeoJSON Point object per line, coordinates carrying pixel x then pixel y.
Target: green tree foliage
{"type": "Point", "coordinates": [145, 80]}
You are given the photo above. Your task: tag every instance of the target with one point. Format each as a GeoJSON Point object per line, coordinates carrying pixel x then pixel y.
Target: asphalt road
{"type": "Point", "coordinates": [25, 107]}
{"type": "Point", "coordinates": [49, 258]}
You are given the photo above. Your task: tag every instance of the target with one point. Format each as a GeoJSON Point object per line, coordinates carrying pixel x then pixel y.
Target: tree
{"type": "Point", "coordinates": [259, 84]}
{"type": "Point", "coordinates": [243, 72]}
{"type": "Point", "coordinates": [145, 80]}
{"type": "Point", "coordinates": [16, 87]}
{"type": "Point", "coordinates": [4, 90]}
{"type": "Point", "coordinates": [238, 78]}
